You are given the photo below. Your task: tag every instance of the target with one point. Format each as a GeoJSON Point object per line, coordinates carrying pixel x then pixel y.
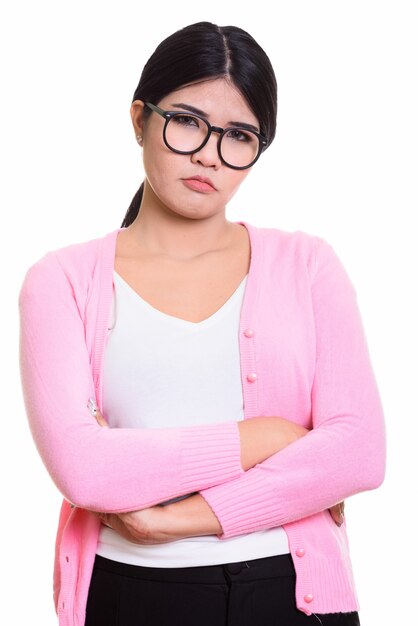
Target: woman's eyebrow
{"type": "Point", "coordinates": [192, 109]}
{"type": "Point", "coordinates": [189, 107]}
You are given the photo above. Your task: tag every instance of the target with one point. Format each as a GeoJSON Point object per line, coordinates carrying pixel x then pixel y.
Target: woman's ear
{"type": "Point", "coordinates": [136, 111]}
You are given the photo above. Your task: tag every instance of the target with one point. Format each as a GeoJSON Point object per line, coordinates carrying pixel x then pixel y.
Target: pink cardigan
{"type": "Point", "coordinates": [303, 356]}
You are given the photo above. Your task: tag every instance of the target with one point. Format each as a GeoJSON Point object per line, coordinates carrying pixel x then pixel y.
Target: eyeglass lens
{"type": "Point", "coordinates": [187, 133]}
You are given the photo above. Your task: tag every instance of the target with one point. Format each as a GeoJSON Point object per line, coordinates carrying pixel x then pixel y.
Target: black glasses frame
{"type": "Point", "coordinates": [168, 115]}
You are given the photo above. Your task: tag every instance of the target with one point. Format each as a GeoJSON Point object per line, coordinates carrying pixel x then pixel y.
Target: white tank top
{"type": "Point", "coordinates": [161, 371]}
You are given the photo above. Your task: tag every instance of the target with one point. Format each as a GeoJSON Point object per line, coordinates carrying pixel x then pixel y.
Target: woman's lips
{"type": "Point", "coordinates": [199, 184]}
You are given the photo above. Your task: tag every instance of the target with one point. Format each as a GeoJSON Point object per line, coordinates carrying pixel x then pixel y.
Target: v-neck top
{"type": "Point", "coordinates": [157, 369]}
{"type": "Point", "coordinates": [147, 308]}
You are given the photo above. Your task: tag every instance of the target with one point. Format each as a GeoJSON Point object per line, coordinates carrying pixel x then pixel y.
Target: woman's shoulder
{"type": "Point", "coordinates": [297, 244]}
{"type": "Point", "coordinates": [73, 263]}
{"type": "Point", "coordinates": [298, 252]}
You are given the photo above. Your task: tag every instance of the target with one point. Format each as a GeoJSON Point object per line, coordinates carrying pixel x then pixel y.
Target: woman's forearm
{"type": "Point", "coordinates": [193, 517]}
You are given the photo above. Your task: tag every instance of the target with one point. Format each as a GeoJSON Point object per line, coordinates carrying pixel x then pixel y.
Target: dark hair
{"type": "Point", "coordinates": [205, 51]}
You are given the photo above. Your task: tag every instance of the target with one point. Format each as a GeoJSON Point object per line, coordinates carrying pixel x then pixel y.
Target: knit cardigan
{"type": "Point", "coordinates": [303, 356]}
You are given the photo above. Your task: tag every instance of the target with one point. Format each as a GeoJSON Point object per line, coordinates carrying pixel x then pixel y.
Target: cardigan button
{"type": "Point", "coordinates": [300, 552]}
{"type": "Point", "coordinates": [252, 377]}
{"type": "Point", "coordinates": [308, 597]}
{"type": "Point", "coordinates": [248, 332]}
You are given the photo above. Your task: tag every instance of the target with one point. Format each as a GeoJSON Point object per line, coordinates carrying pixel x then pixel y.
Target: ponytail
{"type": "Point", "coordinates": [133, 209]}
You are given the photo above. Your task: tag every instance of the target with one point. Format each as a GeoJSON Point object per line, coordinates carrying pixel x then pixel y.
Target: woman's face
{"type": "Point", "coordinates": [167, 172]}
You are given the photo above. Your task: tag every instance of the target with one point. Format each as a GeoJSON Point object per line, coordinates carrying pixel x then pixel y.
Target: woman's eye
{"type": "Point", "coordinates": [239, 135]}
{"type": "Point", "coordinates": [186, 120]}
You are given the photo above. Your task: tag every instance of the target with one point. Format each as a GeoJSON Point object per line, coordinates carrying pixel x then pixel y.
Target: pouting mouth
{"type": "Point", "coordinates": [201, 179]}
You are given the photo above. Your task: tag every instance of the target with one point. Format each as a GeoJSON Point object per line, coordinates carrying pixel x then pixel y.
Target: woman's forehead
{"type": "Point", "coordinates": [218, 96]}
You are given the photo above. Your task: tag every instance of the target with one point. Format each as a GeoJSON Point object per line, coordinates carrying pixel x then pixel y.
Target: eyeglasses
{"type": "Point", "coordinates": [186, 133]}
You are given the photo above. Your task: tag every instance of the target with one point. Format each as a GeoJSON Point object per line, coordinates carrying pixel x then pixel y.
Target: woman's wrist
{"type": "Point", "coordinates": [190, 517]}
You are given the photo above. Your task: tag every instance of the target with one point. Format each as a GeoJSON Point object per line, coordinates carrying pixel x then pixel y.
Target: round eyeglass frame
{"type": "Point", "coordinates": [168, 115]}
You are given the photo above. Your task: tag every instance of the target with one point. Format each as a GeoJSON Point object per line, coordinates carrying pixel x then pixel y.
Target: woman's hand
{"type": "Point", "coordinates": [144, 527]}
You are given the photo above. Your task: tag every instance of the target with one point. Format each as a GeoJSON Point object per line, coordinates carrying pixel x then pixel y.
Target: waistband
{"type": "Point", "coordinates": [254, 569]}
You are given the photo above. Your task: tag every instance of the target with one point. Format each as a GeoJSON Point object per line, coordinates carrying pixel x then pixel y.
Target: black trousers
{"type": "Point", "coordinates": [258, 592]}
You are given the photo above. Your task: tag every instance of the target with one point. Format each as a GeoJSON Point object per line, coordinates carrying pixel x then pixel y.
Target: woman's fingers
{"type": "Point", "coordinates": [95, 411]}
{"type": "Point", "coordinates": [106, 519]}
{"type": "Point", "coordinates": [337, 513]}
{"type": "Point", "coordinates": [117, 523]}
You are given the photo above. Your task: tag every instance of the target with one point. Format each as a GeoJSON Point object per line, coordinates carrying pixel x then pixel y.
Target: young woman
{"type": "Point", "coordinates": [227, 369]}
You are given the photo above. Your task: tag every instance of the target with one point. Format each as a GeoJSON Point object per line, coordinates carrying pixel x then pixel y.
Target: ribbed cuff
{"type": "Point", "coordinates": [210, 454]}
{"type": "Point", "coordinates": [243, 505]}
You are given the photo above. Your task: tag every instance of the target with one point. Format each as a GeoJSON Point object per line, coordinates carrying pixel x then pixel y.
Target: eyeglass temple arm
{"type": "Point", "coordinates": [153, 107]}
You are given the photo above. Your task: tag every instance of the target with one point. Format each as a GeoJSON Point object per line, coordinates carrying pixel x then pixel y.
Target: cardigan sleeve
{"type": "Point", "coordinates": [345, 451]}
{"type": "Point", "coordinates": [102, 469]}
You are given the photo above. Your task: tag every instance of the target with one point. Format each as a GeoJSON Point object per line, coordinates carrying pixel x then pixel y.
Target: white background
{"type": "Point", "coordinates": [343, 166]}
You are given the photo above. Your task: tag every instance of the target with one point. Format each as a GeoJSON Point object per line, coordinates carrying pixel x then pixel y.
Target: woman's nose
{"type": "Point", "coordinates": [208, 155]}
